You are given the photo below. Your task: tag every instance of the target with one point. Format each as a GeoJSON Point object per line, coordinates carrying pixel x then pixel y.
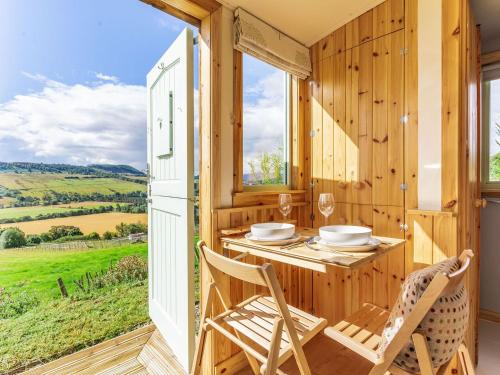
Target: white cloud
{"type": "Point", "coordinates": [78, 124]}
{"type": "Point", "coordinates": [169, 23]}
{"type": "Point", "coordinates": [263, 117]}
{"type": "Point", "coordinates": [104, 77]}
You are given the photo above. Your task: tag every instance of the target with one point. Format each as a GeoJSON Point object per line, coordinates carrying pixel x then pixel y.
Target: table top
{"type": "Point", "coordinates": [303, 256]}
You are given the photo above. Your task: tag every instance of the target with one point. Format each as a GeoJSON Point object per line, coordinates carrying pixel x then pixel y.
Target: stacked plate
{"type": "Point", "coordinates": [347, 237]}
{"type": "Point", "coordinates": [275, 233]}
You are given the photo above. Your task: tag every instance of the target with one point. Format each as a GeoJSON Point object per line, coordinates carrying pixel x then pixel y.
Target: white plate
{"type": "Point", "coordinates": [373, 243]}
{"type": "Point", "coordinates": [346, 234]}
{"type": "Point", "coordinates": [262, 241]}
{"type": "Point", "coordinates": [273, 231]}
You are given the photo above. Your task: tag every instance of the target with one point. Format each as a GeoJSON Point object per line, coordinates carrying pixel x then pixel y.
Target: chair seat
{"type": "Point", "coordinates": [361, 331]}
{"type": "Point", "coordinates": [255, 320]}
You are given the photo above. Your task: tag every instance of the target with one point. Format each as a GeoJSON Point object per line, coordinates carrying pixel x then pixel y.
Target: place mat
{"type": "Point", "coordinates": [282, 243]}
{"type": "Point", "coordinates": [372, 245]}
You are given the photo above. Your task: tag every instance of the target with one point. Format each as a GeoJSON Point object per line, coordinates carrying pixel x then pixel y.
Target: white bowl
{"type": "Point", "coordinates": [273, 231]}
{"type": "Point", "coordinates": [347, 235]}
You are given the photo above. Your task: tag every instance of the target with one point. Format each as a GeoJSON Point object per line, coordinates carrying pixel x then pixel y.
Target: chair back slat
{"type": "Point", "coordinates": [456, 277]}
{"type": "Point", "coordinates": [239, 270]}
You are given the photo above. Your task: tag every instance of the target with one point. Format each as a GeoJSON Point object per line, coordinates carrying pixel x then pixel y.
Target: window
{"type": "Point", "coordinates": [491, 129]}
{"type": "Point", "coordinates": [265, 124]}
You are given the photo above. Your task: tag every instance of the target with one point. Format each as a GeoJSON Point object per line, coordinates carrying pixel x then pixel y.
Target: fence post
{"type": "Point", "coordinates": [62, 287]}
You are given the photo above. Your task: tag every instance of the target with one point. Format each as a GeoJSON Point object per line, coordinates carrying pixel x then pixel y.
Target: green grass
{"type": "Point", "coordinates": [38, 184]}
{"type": "Point", "coordinates": [17, 212]}
{"type": "Point", "coordinates": [37, 271]}
{"type": "Point", "coordinates": [60, 327]}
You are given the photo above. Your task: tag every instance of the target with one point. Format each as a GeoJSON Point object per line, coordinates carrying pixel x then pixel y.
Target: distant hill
{"type": "Point", "coordinates": [94, 169]}
{"type": "Point", "coordinates": [117, 169]}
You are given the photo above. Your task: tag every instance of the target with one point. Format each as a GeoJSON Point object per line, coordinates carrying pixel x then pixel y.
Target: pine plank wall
{"type": "Point", "coordinates": [354, 133]}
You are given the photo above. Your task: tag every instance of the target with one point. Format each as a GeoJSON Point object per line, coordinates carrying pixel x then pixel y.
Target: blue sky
{"type": "Point", "coordinates": [70, 40]}
{"type": "Point", "coordinates": [72, 82]}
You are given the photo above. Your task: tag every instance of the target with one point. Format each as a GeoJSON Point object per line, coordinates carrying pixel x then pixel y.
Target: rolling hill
{"type": "Point", "coordinates": [93, 169]}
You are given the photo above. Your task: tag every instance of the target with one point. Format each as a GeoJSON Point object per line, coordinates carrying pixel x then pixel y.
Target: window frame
{"type": "Point", "coordinates": [487, 186]}
{"type": "Point", "coordinates": [239, 186]}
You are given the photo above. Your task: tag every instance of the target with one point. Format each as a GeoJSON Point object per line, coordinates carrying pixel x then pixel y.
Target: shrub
{"type": "Point", "coordinates": [93, 236]}
{"type": "Point", "coordinates": [63, 231]}
{"type": "Point", "coordinates": [108, 235]}
{"type": "Point", "coordinates": [33, 239]}
{"type": "Point", "coordinates": [129, 268]}
{"type": "Point", "coordinates": [46, 237]}
{"type": "Point", "coordinates": [12, 237]}
{"type": "Point", "coordinates": [123, 230]}
{"type": "Point", "coordinates": [14, 306]}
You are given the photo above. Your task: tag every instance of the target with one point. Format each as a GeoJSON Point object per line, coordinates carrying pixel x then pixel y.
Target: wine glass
{"type": "Point", "coordinates": [326, 205]}
{"type": "Point", "coordinates": [285, 204]}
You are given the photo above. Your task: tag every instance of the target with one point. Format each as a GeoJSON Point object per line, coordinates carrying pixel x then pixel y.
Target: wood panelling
{"type": "Point", "coordinates": [451, 101]}
{"type": "Point", "coordinates": [411, 104]}
{"type": "Point", "coordinates": [358, 101]}
{"type": "Point", "coordinates": [237, 121]}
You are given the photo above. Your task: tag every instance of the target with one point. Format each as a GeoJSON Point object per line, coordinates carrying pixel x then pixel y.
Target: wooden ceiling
{"type": "Point", "coordinates": [191, 11]}
{"type": "Point", "coordinates": [305, 21]}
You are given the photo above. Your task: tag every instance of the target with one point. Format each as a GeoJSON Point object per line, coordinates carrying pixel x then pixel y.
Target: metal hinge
{"type": "Point", "coordinates": [312, 217]}
{"type": "Point", "coordinates": [403, 119]}
{"type": "Point", "coordinates": [403, 186]}
{"type": "Point", "coordinates": [311, 184]}
{"type": "Point", "coordinates": [148, 171]}
{"type": "Point", "coordinates": [403, 51]}
{"type": "Point", "coordinates": [403, 227]}
{"type": "Point", "coordinates": [150, 201]}
{"type": "Point", "coordinates": [312, 133]}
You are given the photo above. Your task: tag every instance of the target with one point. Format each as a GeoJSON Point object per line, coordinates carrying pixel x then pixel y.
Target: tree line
{"type": "Point", "coordinates": [14, 237]}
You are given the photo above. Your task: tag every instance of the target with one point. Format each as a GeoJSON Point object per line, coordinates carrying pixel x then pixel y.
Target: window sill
{"type": "Point", "coordinates": [492, 193]}
{"type": "Point", "coordinates": [262, 197]}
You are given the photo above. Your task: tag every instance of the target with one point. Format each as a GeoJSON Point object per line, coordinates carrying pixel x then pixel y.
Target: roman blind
{"type": "Point", "coordinates": [257, 38]}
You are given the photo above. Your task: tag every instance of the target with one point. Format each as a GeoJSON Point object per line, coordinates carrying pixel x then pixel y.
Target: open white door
{"type": "Point", "coordinates": [171, 217]}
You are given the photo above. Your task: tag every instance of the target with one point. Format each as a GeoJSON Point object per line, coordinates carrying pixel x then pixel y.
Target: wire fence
{"type": "Point", "coordinates": [85, 245]}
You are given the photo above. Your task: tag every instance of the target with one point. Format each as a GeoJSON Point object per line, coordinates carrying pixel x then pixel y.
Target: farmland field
{"type": "Point", "coordinates": [39, 184]}
{"type": "Point", "coordinates": [99, 223]}
{"type": "Point", "coordinates": [33, 211]}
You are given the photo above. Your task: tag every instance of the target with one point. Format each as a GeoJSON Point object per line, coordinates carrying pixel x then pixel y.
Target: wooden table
{"type": "Point", "coordinates": [303, 256]}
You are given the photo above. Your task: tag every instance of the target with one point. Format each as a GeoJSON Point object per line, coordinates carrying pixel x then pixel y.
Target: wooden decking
{"type": "Point", "coordinates": [142, 351]}
{"type": "Point", "coordinates": [325, 357]}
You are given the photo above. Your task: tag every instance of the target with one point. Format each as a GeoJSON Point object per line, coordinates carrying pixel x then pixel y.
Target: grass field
{"type": "Point", "coordinates": [38, 271]}
{"type": "Point", "coordinates": [99, 223]}
{"type": "Point", "coordinates": [6, 201]}
{"type": "Point", "coordinates": [17, 212]}
{"type": "Point", "coordinates": [58, 326]}
{"type": "Point", "coordinates": [38, 184]}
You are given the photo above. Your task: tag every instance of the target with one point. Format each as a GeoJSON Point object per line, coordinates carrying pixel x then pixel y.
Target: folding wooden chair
{"type": "Point", "coordinates": [261, 324]}
{"type": "Point", "coordinates": [361, 331]}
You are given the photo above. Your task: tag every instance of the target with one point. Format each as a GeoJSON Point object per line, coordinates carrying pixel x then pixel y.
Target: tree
{"type": "Point", "coordinates": [495, 167]}
{"type": "Point", "coordinates": [12, 237]}
{"type": "Point", "coordinates": [277, 164]}
{"type": "Point", "coordinates": [265, 167]}
{"type": "Point", "coordinates": [59, 231]}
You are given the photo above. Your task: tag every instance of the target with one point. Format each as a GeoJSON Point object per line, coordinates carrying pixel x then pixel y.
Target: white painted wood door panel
{"type": "Point", "coordinates": [171, 214]}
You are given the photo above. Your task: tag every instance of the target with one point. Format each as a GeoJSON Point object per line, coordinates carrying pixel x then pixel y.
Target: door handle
{"type": "Point", "coordinates": [481, 203]}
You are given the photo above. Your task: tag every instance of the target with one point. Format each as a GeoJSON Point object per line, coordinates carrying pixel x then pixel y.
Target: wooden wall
{"type": "Point", "coordinates": [357, 109]}
{"type": "Point", "coordinates": [354, 133]}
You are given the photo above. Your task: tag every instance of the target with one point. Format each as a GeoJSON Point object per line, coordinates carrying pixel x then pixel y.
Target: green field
{"type": "Point", "coordinates": [39, 184]}
{"type": "Point", "coordinates": [56, 326]}
{"type": "Point", "coordinates": [37, 271]}
{"type": "Point", "coordinates": [17, 212]}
